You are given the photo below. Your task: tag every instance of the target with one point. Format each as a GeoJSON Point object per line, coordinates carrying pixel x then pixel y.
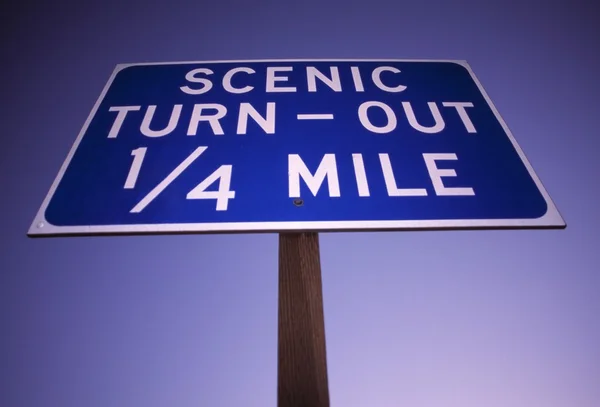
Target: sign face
{"type": "Point", "coordinates": [291, 145]}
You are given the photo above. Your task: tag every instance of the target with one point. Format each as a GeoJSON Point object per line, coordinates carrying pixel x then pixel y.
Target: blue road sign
{"type": "Point", "coordinates": [282, 145]}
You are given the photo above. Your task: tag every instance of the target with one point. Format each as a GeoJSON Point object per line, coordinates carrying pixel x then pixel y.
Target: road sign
{"type": "Point", "coordinates": [281, 145]}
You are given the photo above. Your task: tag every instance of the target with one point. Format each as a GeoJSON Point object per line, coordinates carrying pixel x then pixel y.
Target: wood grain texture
{"type": "Point", "coordinates": [302, 362]}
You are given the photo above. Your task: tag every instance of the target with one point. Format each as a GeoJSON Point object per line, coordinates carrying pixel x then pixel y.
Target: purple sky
{"type": "Point", "coordinates": [470, 318]}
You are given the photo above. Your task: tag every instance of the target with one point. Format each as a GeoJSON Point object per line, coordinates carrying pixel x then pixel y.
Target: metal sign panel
{"type": "Point", "coordinates": [280, 145]}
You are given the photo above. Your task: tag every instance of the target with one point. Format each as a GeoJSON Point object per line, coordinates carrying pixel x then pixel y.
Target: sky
{"type": "Point", "coordinates": [430, 318]}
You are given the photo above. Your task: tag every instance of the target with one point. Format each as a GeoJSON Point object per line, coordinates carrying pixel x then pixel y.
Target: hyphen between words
{"type": "Point", "coordinates": [199, 82]}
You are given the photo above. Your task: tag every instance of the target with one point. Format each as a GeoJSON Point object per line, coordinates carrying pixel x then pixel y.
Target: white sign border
{"type": "Point", "coordinates": [41, 227]}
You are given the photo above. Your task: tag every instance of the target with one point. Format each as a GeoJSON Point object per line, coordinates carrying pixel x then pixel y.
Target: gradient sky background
{"type": "Point", "coordinates": [470, 318]}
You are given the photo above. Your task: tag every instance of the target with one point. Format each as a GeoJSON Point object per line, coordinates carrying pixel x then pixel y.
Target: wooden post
{"type": "Point", "coordinates": [302, 362]}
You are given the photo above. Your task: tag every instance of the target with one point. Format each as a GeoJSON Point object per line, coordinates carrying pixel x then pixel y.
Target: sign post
{"type": "Point", "coordinates": [301, 363]}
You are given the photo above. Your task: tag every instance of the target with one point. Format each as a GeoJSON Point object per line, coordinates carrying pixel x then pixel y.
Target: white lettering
{"type": "Point", "coordinates": [439, 122]}
{"type": "Point", "coordinates": [364, 118]}
{"type": "Point", "coordinates": [436, 175]}
{"type": "Point", "coordinates": [213, 120]}
{"type": "Point", "coordinates": [462, 112]}
{"type": "Point", "coordinates": [390, 180]}
{"type": "Point", "coordinates": [157, 190]}
{"type": "Point", "coordinates": [271, 79]}
{"type": "Point", "coordinates": [327, 168]}
{"type": "Point", "coordinates": [173, 120]}
{"type": "Point", "coordinates": [377, 79]}
{"type": "Point", "coordinates": [361, 175]}
{"type": "Point", "coordinates": [266, 123]}
{"type": "Point", "coordinates": [222, 195]}
{"type": "Point", "coordinates": [334, 82]}
{"type": "Point", "coordinates": [227, 80]}
{"type": "Point", "coordinates": [358, 83]}
{"type": "Point", "coordinates": [134, 172]}
{"type": "Point", "coordinates": [123, 110]}
{"type": "Point", "coordinates": [191, 77]}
